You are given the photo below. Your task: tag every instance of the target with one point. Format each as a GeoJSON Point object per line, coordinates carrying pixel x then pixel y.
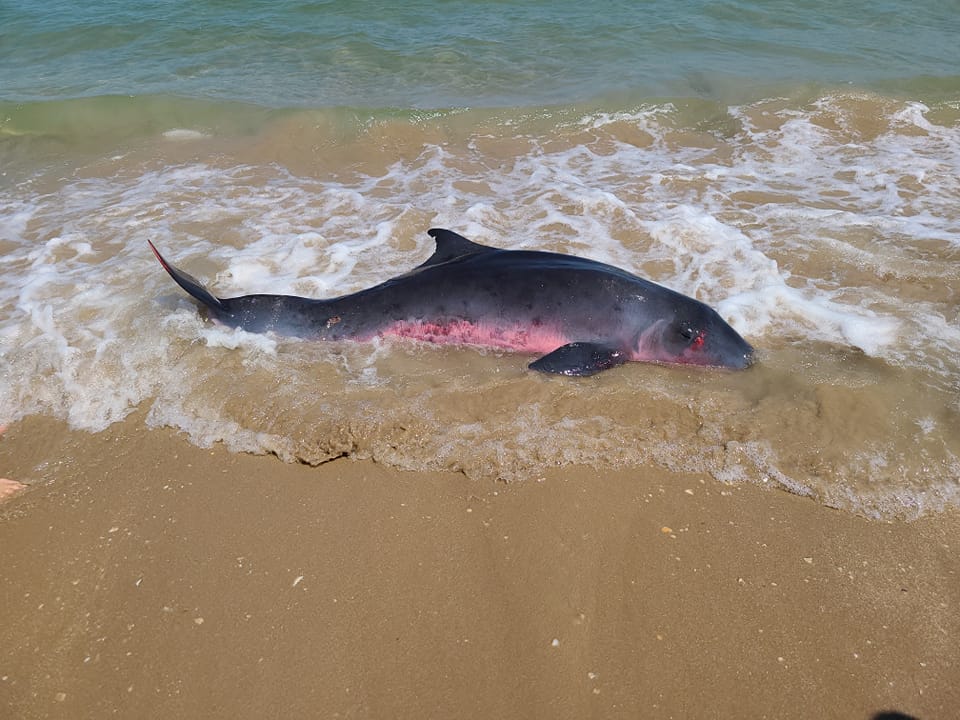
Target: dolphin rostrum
{"type": "Point", "coordinates": [579, 315]}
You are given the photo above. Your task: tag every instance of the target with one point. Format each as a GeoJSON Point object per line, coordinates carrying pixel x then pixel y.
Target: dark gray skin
{"type": "Point", "coordinates": [582, 316]}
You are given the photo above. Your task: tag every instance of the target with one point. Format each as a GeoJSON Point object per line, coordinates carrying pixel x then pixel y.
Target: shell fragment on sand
{"type": "Point", "coordinates": [9, 488]}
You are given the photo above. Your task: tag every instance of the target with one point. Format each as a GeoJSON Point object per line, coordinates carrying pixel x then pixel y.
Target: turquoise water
{"type": "Point", "coordinates": [456, 53]}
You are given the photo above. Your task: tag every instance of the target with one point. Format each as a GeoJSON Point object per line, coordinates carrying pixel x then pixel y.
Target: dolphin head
{"type": "Point", "coordinates": [695, 334]}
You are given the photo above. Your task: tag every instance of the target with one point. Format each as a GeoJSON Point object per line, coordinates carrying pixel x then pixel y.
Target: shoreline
{"type": "Point", "coordinates": [146, 577]}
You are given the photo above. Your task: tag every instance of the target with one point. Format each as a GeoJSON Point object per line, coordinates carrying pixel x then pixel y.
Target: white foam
{"type": "Point", "coordinates": [810, 315]}
{"type": "Point", "coordinates": [89, 328]}
{"type": "Point", "coordinates": [219, 336]}
{"type": "Point", "coordinates": [183, 135]}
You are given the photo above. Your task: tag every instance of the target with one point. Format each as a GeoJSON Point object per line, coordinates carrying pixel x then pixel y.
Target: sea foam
{"type": "Point", "coordinates": [810, 235]}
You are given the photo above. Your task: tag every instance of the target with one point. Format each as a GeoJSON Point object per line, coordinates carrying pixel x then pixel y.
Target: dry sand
{"type": "Point", "coordinates": [142, 577]}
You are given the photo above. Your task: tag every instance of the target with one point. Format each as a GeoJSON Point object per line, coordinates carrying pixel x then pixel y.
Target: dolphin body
{"type": "Point", "coordinates": [579, 315]}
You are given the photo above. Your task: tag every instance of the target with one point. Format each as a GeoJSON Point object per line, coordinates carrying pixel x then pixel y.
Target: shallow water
{"type": "Point", "coordinates": [446, 53]}
{"type": "Point", "coordinates": [824, 232]}
{"type": "Point", "coordinates": [821, 220]}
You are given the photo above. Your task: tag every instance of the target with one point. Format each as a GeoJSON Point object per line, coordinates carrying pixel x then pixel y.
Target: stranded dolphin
{"type": "Point", "coordinates": [581, 316]}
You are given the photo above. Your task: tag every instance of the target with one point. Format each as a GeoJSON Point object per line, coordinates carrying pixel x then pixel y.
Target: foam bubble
{"type": "Point", "coordinates": [183, 135]}
{"type": "Point", "coordinates": [218, 336]}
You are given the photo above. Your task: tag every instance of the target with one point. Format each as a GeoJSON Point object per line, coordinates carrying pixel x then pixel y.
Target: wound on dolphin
{"type": "Point", "coordinates": [579, 315]}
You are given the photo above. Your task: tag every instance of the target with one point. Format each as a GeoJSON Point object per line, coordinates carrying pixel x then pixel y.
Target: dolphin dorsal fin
{"type": "Point", "coordinates": [451, 246]}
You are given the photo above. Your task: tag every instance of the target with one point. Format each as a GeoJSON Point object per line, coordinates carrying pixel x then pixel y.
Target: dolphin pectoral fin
{"type": "Point", "coordinates": [579, 359]}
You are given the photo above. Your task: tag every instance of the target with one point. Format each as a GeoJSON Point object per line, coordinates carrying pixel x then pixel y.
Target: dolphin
{"type": "Point", "coordinates": [579, 315]}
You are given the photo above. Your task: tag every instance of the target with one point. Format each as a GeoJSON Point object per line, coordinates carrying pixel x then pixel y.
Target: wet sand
{"type": "Point", "coordinates": [143, 577]}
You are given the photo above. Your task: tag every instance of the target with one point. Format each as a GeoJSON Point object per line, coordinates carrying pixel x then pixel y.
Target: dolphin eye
{"type": "Point", "coordinates": [694, 337]}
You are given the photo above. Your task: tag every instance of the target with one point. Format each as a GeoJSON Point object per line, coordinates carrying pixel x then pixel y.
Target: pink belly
{"type": "Point", "coordinates": [525, 338]}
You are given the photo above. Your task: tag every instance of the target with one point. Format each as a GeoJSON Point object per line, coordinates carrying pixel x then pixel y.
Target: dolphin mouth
{"type": "Point", "coordinates": [744, 360]}
{"type": "Point", "coordinates": [739, 358]}
{"type": "Point", "coordinates": [729, 358]}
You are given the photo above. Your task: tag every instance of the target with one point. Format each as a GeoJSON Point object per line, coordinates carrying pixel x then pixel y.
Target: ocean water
{"type": "Point", "coordinates": [795, 165]}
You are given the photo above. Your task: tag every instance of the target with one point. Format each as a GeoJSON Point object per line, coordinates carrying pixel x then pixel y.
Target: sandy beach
{"type": "Point", "coordinates": [144, 577]}
{"type": "Point", "coordinates": [361, 504]}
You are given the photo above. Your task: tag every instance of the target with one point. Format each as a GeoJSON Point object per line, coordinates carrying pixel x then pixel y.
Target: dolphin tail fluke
{"type": "Point", "coordinates": [189, 283]}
